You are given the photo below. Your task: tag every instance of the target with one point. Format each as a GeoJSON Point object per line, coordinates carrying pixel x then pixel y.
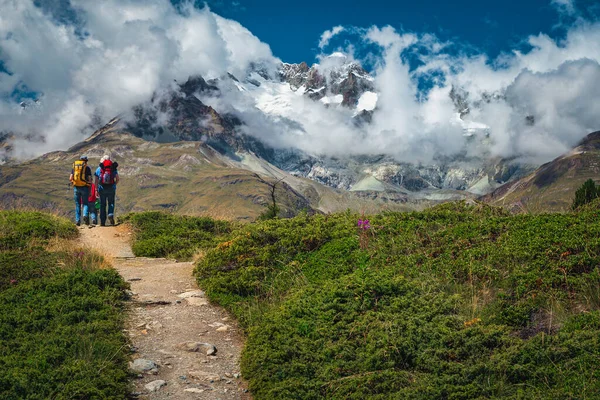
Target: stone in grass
{"type": "Point", "coordinates": [155, 386]}
{"type": "Point", "coordinates": [196, 346]}
{"type": "Point", "coordinates": [143, 365]}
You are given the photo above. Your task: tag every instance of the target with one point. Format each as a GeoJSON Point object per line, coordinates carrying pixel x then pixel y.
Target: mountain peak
{"type": "Point", "coordinates": [590, 142]}
{"type": "Point", "coordinates": [335, 76]}
{"type": "Point", "coordinates": [197, 84]}
{"type": "Point", "coordinates": [337, 54]}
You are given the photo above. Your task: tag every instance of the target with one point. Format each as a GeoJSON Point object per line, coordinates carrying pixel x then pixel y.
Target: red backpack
{"type": "Point", "coordinates": [107, 173]}
{"type": "Point", "coordinates": [92, 196]}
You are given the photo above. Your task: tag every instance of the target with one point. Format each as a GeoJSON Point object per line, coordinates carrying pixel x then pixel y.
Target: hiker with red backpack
{"type": "Point", "coordinates": [106, 179]}
{"type": "Point", "coordinates": [81, 179]}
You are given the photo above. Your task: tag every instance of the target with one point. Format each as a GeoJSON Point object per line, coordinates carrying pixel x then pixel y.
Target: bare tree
{"type": "Point", "coordinates": [273, 209]}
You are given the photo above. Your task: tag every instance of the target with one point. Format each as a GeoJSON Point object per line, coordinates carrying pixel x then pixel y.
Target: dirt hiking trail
{"type": "Point", "coordinates": [185, 347]}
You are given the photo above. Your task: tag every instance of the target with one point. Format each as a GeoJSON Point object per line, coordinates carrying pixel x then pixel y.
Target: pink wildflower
{"type": "Point", "coordinates": [363, 226]}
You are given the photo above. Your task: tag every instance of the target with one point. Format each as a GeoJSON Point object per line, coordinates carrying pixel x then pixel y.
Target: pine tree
{"type": "Point", "coordinates": [585, 194]}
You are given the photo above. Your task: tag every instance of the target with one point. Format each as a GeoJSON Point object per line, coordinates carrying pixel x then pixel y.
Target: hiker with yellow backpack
{"type": "Point", "coordinates": [81, 178]}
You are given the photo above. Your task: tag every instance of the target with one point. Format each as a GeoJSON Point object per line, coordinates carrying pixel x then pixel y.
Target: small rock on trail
{"type": "Point", "coordinates": [141, 365]}
{"type": "Point", "coordinates": [192, 293]}
{"type": "Point", "coordinates": [197, 346]}
{"type": "Point", "coordinates": [155, 386]}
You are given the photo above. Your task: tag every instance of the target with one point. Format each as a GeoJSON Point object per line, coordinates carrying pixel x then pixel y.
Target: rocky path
{"type": "Point", "coordinates": [185, 347]}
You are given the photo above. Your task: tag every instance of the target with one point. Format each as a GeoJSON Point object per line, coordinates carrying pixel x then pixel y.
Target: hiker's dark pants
{"type": "Point", "coordinates": [80, 195]}
{"type": "Point", "coordinates": [107, 198]}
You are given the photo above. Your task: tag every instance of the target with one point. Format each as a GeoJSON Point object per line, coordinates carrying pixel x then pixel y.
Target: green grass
{"type": "Point", "coordinates": [19, 228]}
{"type": "Point", "coordinates": [456, 302]}
{"type": "Point", "coordinates": [61, 317]}
{"type": "Point", "coordinates": [173, 236]}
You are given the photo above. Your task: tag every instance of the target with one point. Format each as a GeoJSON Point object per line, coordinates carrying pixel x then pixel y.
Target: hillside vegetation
{"type": "Point", "coordinates": [174, 236]}
{"type": "Point", "coordinates": [61, 316]}
{"type": "Point", "coordinates": [190, 178]}
{"type": "Point", "coordinates": [550, 188]}
{"type": "Point", "coordinates": [456, 302]}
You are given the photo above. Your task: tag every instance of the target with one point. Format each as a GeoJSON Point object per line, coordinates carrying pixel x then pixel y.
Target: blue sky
{"type": "Point", "coordinates": [292, 29]}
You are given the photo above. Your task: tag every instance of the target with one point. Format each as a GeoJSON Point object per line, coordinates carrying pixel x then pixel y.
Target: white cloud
{"type": "Point", "coordinates": [555, 82]}
{"type": "Point", "coordinates": [328, 34]}
{"type": "Point", "coordinates": [126, 50]}
{"type": "Point", "coordinates": [564, 6]}
{"type": "Point", "coordinates": [564, 102]}
{"type": "Point", "coordinates": [129, 49]}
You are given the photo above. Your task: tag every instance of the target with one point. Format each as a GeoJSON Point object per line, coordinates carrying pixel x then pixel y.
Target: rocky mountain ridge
{"type": "Point", "coordinates": [186, 177]}
{"type": "Point", "coordinates": [346, 82]}
{"type": "Point", "coordinates": [189, 118]}
{"type": "Point", "coordinates": [552, 186]}
{"type": "Point", "coordinates": [204, 111]}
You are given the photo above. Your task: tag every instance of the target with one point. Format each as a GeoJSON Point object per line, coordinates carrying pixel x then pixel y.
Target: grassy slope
{"type": "Point", "coordinates": [153, 178]}
{"type": "Point", "coordinates": [60, 316]}
{"type": "Point", "coordinates": [551, 187]}
{"type": "Point", "coordinates": [457, 302]}
{"type": "Point", "coordinates": [159, 234]}
{"type": "Point", "coordinates": [185, 178]}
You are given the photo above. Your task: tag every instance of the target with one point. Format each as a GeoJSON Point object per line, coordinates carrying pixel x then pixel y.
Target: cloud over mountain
{"type": "Point", "coordinates": [112, 55]}
{"type": "Point", "coordinates": [537, 103]}
{"type": "Point", "coordinates": [119, 54]}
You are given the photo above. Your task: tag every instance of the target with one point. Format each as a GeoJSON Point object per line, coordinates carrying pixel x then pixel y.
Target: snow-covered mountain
{"type": "Point", "coordinates": [258, 113]}
{"type": "Point", "coordinates": [335, 81]}
{"type": "Point", "coordinates": [274, 116]}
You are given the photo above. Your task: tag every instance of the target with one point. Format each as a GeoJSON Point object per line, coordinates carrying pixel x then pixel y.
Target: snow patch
{"type": "Point", "coordinates": [367, 101]}
{"type": "Point", "coordinates": [470, 128]}
{"type": "Point", "coordinates": [337, 54]}
{"type": "Point", "coordinates": [240, 87]}
{"type": "Point", "coordinates": [364, 76]}
{"type": "Point", "coordinates": [337, 99]}
{"type": "Point", "coordinates": [481, 187]}
{"type": "Point", "coordinates": [275, 99]}
{"type": "Point", "coordinates": [369, 183]}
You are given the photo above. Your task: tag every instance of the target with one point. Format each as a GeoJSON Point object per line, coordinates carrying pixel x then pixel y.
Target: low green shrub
{"type": "Point", "coordinates": [19, 228]}
{"type": "Point", "coordinates": [62, 337]}
{"type": "Point", "coordinates": [61, 318]}
{"type": "Point", "coordinates": [18, 266]}
{"type": "Point", "coordinates": [456, 302]}
{"type": "Point", "coordinates": [165, 235]}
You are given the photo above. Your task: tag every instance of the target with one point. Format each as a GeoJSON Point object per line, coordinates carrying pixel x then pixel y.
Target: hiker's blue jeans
{"type": "Point", "coordinates": [107, 199]}
{"type": "Point", "coordinates": [80, 195]}
{"type": "Point", "coordinates": [92, 213]}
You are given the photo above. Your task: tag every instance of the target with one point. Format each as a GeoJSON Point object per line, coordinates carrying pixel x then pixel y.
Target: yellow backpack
{"type": "Point", "coordinates": [79, 167]}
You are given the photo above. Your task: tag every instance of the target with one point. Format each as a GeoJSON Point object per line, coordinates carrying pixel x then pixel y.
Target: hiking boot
{"type": "Point", "coordinates": [94, 222]}
{"type": "Point", "coordinates": [111, 220]}
{"type": "Point", "coordinates": [102, 224]}
{"type": "Point", "coordinates": [77, 223]}
{"type": "Point", "coordinates": [86, 220]}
